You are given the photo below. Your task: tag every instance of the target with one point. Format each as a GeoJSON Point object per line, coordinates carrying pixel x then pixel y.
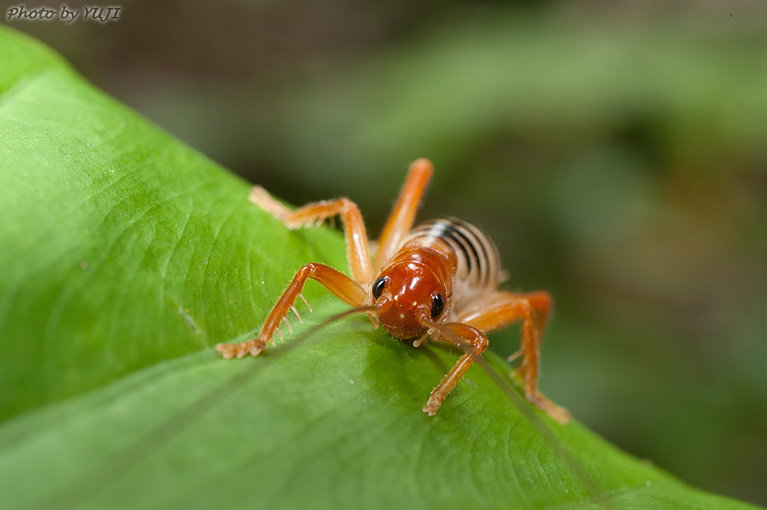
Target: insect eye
{"type": "Point", "coordinates": [437, 305]}
{"type": "Point", "coordinates": [378, 287]}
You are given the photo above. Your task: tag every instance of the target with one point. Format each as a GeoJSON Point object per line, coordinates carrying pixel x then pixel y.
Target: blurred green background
{"type": "Point", "coordinates": [616, 153]}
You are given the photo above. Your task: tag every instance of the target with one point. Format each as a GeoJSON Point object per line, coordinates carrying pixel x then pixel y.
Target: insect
{"type": "Point", "coordinates": [437, 281]}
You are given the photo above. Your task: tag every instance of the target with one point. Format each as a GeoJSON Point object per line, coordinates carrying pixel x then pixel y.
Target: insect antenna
{"type": "Point", "coordinates": [371, 309]}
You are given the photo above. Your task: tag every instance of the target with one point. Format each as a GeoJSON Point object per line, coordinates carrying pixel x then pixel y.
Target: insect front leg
{"type": "Point", "coordinates": [473, 342]}
{"type": "Point", "coordinates": [337, 283]}
{"type": "Point", "coordinates": [500, 309]}
{"type": "Point", "coordinates": [354, 228]}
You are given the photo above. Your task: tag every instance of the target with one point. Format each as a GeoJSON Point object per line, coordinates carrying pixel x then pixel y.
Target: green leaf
{"type": "Point", "coordinates": [126, 256]}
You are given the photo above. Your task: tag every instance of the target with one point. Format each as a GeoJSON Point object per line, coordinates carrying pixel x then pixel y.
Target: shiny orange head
{"type": "Point", "coordinates": [409, 296]}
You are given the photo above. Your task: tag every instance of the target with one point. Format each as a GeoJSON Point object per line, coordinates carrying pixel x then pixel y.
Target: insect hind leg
{"type": "Point", "coordinates": [500, 309]}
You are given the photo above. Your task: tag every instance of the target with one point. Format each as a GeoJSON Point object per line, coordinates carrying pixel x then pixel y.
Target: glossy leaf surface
{"type": "Point", "coordinates": [126, 256]}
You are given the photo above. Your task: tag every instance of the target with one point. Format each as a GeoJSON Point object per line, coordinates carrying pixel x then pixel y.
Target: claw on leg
{"type": "Point", "coordinates": [560, 414]}
{"type": "Point", "coordinates": [240, 350]}
{"type": "Point", "coordinates": [432, 406]}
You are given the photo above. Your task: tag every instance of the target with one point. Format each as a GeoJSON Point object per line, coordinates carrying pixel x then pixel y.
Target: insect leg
{"type": "Point", "coordinates": [403, 214]}
{"type": "Point", "coordinates": [500, 309]}
{"type": "Point", "coordinates": [354, 228]}
{"type": "Point", "coordinates": [473, 343]}
{"type": "Point", "coordinates": [337, 283]}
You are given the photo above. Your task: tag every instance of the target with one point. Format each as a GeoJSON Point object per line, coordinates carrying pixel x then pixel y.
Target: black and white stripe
{"type": "Point", "coordinates": [479, 265]}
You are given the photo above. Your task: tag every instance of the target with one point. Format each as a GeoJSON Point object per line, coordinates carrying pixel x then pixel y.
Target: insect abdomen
{"type": "Point", "coordinates": [478, 263]}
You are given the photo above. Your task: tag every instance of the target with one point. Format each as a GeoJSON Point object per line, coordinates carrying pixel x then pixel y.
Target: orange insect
{"type": "Point", "coordinates": [438, 281]}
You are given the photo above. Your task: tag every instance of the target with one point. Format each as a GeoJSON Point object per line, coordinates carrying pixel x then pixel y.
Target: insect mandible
{"type": "Point", "coordinates": [437, 281]}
